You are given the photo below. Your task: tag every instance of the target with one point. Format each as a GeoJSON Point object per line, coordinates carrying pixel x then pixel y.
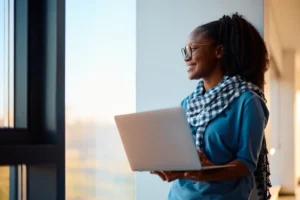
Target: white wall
{"type": "Point", "coordinates": [298, 133]}
{"type": "Point", "coordinates": [162, 27]}
{"type": "Point", "coordinates": [297, 77]}
{"type": "Point", "coordinates": [283, 162]}
{"type": "Point", "coordinates": [275, 47]}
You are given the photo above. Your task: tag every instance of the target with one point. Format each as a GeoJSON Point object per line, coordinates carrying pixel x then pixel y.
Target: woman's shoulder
{"type": "Point", "coordinates": [248, 96]}
{"type": "Point", "coordinates": [253, 102]}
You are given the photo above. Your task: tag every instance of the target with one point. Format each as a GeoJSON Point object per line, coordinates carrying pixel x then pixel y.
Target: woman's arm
{"type": "Point", "coordinates": [238, 170]}
{"type": "Point", "coordinates": [228, 173]}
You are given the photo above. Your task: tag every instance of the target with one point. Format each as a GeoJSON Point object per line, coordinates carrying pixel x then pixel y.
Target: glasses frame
{"type": "Point", "coordinates": [184, 51]}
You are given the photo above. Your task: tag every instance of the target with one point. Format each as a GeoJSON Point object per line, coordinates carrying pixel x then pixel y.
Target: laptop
{"type": "Point", "coordinates": [159, 140]}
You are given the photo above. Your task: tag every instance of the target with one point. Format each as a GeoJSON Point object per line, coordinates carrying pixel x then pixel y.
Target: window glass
{"type": "Point", "coordinates": [100, 83]}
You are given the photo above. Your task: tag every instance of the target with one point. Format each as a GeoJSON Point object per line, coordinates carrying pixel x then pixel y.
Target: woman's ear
{"type": "Point", "coordinates": [219, 51]}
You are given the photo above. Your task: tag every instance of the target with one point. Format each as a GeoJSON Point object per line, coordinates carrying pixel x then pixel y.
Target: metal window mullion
{"type": "Point", "coordinates": [21, 63]}
{"type": "Point", "coordinates": [46, 96]}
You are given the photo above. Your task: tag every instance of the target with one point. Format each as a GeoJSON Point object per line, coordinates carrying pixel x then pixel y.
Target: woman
{"type": "Point", "coordinates": [227, 112]}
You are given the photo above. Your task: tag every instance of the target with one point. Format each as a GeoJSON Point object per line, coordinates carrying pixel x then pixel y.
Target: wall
{"type": "Point", "coordinates": [282, 107]}
{"type": "Point", "coordinates": [297, 134]}
{"type": "Point", "coordinates": [297, 77]}
{"type": "Point", "coordinates": [283, 127]}
{"type": "Point", "coordinates": [161, 79]}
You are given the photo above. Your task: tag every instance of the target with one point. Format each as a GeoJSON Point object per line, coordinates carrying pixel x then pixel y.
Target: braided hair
{"type": "Point", "coordinates": [244, 54]}
{"type": "Point", "coordinates": [244, 51]}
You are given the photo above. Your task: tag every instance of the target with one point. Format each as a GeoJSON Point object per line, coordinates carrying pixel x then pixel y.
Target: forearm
{"type": "Point", "coordinates": [229, 173]}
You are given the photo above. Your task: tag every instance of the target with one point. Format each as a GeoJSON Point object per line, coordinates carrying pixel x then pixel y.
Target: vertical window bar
{"type": "Point", "coordinates": [13, 183]}
{"type": "Point", "coordinates": [20, 74]}
{"type": "Point", "coordinates": [24, 182]}
{"type": "Point", "coordinates": [10, 58]}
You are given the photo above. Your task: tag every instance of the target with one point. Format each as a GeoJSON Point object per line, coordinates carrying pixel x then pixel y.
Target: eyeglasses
{"type": "Point", "coordinates": [188, 50]}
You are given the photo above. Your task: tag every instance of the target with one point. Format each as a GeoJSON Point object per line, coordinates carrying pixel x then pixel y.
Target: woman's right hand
{"type": "Point", "coordinates": [160, 174]}
{"type": "Point", "coordinates": [169, 175]}
{"type": "Point", "coordinates": [173, 175]}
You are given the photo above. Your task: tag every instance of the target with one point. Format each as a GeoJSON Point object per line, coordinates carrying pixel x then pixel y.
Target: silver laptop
{"type": "Point", "coordinates": [159, 140]}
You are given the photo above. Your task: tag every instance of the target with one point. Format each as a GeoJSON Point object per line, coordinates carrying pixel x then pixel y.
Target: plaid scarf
{"type": "Point", "coordinates": [204, 107]}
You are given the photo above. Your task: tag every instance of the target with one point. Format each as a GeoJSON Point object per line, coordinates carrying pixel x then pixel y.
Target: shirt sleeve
{"type": "Point", "coordinates": [183, 103]}
{"type": "Point", "coordinates": [253, 122]}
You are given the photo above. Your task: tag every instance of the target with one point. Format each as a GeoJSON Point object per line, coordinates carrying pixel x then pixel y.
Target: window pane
{"type": "Point", "coordinates": [2, 46]}
{"type": "Point", "coordinates": [4, 183]}
{"type": "Point", "coordinates": [12, 182]}
{"type": "Point", "coordinates": [100, 83]}
{"type": "Point", "coordinates": [6, 66]}
{"type": "Point", "coordinates": [6, 92]}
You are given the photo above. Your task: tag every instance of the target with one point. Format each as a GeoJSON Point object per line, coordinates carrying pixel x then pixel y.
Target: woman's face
{"type": "Point", "coordinates": [204, 59]}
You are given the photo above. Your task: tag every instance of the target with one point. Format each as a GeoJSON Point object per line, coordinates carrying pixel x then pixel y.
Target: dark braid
{"type": "Point", "coordinates": [244, 54]}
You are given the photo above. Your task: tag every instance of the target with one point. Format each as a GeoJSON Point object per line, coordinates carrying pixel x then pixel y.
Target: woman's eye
{"type": "Point", "coordinates": [193, 49]}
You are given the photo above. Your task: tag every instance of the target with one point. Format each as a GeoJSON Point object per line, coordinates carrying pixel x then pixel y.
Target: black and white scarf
{"type": "Point", "coordinates": [204, 107]}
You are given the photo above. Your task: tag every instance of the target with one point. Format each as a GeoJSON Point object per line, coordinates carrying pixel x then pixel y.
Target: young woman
{"type": "Point", "coordinates": [226, 112]}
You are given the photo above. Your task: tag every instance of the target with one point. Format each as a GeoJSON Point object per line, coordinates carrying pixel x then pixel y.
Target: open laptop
{"type": "Point", "coordinates": [159, 140]}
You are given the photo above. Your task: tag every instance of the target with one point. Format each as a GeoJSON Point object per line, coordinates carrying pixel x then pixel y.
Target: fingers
{"type": "Point", "coordinates": [193, 175]}
{"type": "Point", "coordinates": [161, 175]}
{"type": "Point", "coordinates": [174, 176]}
{"type": "Point", "coordinates": [171, 176]}
{"type": "Point", "coordinates": [168, 175]}
{"type": "Point", "coordinates": [203, 159]}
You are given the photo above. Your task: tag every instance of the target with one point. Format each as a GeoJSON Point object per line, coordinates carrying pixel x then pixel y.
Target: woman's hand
{"type": "Point", "coordinates": [160, 174]}
{"type": "Point", "coordinates": [198, 175]}
{"type": "Point", "coordinates": [191, 175]}
{"type": "Point", "coordinates": [204, 160]}
{"type": "Point", "coordinates": [169, 175]}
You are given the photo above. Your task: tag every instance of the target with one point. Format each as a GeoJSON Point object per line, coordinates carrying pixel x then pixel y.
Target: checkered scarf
{"type": "Point", "coordinates": [204, 107]}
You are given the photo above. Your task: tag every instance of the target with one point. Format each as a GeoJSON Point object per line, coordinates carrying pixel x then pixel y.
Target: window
{"type": "Point", "coordinates": [6, 67]}
{"type": "Point", "coordinates": [6, 90]}
{"type": "Point", "coordinates": [4, 183]}
{"type": "Point", "coordinates": [100, 83]}
{"type": "Point", "coordinates": [32, 131]}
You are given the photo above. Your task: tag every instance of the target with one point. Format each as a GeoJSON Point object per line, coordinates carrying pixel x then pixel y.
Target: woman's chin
{"type": "Point", "coordinates": [192, 76]}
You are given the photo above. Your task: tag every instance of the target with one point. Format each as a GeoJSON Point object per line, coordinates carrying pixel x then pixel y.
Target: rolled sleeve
{"type": "Point", "coordinates": [253, 123]}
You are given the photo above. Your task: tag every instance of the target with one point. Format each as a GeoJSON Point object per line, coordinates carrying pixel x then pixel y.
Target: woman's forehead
{"type": "Point", "coordinates": [196, 36]}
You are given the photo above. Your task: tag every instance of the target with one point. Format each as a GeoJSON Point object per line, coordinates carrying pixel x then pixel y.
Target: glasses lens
{"type": "Point", "coordinates": [188, 51]}
{"type": "Point", "coordinates": [183, 51]}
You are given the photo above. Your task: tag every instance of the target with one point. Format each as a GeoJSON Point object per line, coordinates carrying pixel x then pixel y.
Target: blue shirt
{"type": "Point", "coordinates": [235, 134]}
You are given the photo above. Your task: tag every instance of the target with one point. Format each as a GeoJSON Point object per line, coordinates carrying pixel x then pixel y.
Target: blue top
{"type": "Point", "coordinates": [236, 134]}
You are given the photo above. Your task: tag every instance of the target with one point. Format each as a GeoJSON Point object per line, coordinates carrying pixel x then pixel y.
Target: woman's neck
{"type": "Point", "coordinates": [212, 81]}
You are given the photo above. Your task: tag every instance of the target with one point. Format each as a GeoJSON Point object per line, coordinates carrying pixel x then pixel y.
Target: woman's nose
{"type": "Point", "coordinates": [187, 58]}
